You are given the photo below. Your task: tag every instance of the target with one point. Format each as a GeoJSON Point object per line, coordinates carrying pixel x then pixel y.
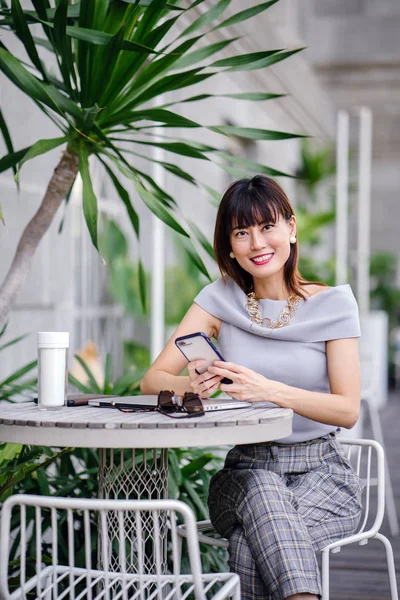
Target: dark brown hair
{"type": "Point", "coordinates": [245, 203]}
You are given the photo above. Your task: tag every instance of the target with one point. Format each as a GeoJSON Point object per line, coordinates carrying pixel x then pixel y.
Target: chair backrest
{"type": "Point", "coordinates": [367, 459]}
{"type": "Point", "coordinates": [63, 535]}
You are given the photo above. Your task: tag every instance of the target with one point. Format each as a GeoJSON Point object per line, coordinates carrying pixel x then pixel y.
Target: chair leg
{"type": "Point", "coordinates": [390, 564]}
{"type": "Point", "coordinates": [389, 496]}
{"type": "Point", "coordinates": [325, 575]}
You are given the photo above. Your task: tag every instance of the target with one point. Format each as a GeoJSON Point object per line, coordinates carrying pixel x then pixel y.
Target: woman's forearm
{"type": "Point", "coordinates": [332, 409]}
{"type": "Point", "coordinates": [155, 380]}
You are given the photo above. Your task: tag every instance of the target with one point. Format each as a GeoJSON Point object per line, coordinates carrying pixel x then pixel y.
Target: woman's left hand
{"type": "Point", "coordinates": [247, 384]}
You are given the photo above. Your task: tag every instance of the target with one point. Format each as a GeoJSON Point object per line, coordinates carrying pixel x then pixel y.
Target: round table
{"type": "Point", "coordinates": [143, 473]}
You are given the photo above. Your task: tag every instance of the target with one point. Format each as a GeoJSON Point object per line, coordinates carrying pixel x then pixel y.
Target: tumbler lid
{"type": "Point", "coordinates": [53, 339]}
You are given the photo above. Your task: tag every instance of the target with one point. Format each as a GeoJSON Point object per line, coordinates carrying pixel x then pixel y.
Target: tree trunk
{"type": "Point", "coordinates": [60, 184]}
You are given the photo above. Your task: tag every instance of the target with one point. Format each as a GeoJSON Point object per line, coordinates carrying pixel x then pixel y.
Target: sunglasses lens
{"type": "Point", "coordinates": [192, 403]}
{"type": "Point", "coordinates": [166, 403]}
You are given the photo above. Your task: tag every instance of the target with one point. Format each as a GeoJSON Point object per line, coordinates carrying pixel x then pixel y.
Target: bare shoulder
{"type": "Point", "coordinates": [314, 289]}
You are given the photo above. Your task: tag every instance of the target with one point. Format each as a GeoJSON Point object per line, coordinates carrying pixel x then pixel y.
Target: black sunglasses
{"type": "Point", "coordinates": [171, 405]}
{"type": "Point", "coordinates": [178, 407]}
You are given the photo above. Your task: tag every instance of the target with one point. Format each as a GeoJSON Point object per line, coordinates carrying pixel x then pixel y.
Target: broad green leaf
{"type": "Point", "coordinates": [38, 148]}
{"type": "Point", "coordinates": [196, 499]}
{"type": "Point", "coordinates": [158, 209]}
{"type": "Point", "coordinates": [9, 161]}
{"type": "Point", "coordinates": [34, 88]}
{"type": "Point", "coordinates": [92, 383]}
{"type": "Point", "coordinates": [242, 16]}
{"type": "Point", "coordinates": [252, 166]}
{"type": "Point", "coordinates": [203, 53]}
{"type": "Point", "coordinates": [252, 133]}
{"type": "Point", "coordinates": [90, 208]}
{"type": "Point", "coordinates": [142, 286]}
{"type": "Point", "coordinates": [246, 59]}
{"type": "Point", "coordinates": [24, 34]}
{"type": "Point", "coordinates": [6, 136]}
{"type": "Point", "coordinates": [196, 465]}
{"type": "Point", "coordinates": [123, 194]}
{"type": "Point", "coordinates": [210, 15]}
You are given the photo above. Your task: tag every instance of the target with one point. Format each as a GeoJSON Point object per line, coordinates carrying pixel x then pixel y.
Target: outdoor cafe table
{"type": "Point", "coordinates": [147, 435]}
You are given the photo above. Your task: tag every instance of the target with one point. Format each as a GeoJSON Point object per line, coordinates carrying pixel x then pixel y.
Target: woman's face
{"type": "Point", "coordinates": [263, 249]}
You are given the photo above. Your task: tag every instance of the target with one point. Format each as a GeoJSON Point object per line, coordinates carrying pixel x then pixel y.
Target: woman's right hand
{"type": "Point", "coordinates": [204, 384]}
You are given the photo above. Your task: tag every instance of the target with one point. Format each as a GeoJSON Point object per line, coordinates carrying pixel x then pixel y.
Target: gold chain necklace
{"type": "Point", "coordinates": [254, 309]}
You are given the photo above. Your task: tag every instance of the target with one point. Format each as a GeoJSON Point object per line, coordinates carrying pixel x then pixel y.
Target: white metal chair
{"type": "Point", "coordinates": [370, 399]}
{"type": "Point", "coordinates": [69, 527]}
{"type": "Point", "coordinates": [367, 458]}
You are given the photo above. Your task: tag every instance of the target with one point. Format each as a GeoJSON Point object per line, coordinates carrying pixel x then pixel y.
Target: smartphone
{"type": "Point", "coordinates": [198, 346]}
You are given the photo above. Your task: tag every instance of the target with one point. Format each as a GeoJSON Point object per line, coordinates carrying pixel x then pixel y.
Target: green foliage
{"type": "Point", "coordinates": [114, 61]}
{"type": "Point", "coordinates": [384, 294]}
{"type": "Point", "coordinates": [182, 282]}
{"type": "Point", "coordinates": [15, 385]}
{"type": "Point", "coordinates": [316, 166]}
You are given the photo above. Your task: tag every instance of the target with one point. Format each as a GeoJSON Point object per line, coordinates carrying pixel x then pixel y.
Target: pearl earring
{"type": "Point", "coordinates": [231, 254]}
{"type": "Point", "coordinates": [292, 239]}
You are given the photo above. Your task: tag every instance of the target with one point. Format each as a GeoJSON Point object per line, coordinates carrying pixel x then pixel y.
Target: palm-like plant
{"type": "Point", "coordinates": [114, 59]}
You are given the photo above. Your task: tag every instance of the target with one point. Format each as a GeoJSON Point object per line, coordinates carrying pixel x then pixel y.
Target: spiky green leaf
{"type": "Point", "coordinates": [123, 194]}
{"type": "Point", "coordinates": [243, 15]}
{"type": "Point", "coordinates": [90, 208]}
{"type": "Point", "coordinates": [33, 87]}
{"type": "Point", "coordinates": [6, 136]}
{"type": "Point", "coordinates": [153, 203]}
{"type": "Point", "coordinates": [207, 17]}
{"type": "Point", "coordinates": [38, 148]}
{"type": "Point", "coordinates": [9, 161]}
{"type": "Point", "coordinates": [251, 133]}
{"type": "Point", "coordinates": [142, 286]}
{"type": "Point", "coordinates": [24, 34]}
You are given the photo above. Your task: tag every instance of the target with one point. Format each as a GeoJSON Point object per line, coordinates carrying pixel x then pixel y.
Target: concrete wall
{"type": "Point", "coordinates": [354, 47]}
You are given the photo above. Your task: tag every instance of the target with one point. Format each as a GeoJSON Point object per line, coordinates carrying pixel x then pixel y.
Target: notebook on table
{"type": "Point", "coordinates": [224, 402]}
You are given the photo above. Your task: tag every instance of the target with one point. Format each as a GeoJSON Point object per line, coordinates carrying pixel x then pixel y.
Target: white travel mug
{"type": "Point", "coordinates": [52, 368]}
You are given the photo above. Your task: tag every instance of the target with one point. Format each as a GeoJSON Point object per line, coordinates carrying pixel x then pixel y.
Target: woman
{"type": "Point", "coordinates": [291, 342]}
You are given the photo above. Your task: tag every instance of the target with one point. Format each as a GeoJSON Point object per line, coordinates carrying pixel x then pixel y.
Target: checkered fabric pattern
{"type": "Point", "coordinates": [279, 503]}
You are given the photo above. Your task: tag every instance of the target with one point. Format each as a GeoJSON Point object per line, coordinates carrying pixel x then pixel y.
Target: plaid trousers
{"type": "Point", "coordinates": [279, 503]}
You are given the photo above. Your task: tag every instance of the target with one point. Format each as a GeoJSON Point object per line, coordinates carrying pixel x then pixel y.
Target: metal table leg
{"type": "Point", "coordinates": [133, 474]}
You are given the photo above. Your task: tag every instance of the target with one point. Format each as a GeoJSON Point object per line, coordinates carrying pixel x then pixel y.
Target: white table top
{"type": "Point", "coordinates": [90, 427]}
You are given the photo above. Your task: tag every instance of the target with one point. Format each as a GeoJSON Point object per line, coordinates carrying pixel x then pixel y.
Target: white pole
{"type": "Point", "coordinates": [364, 208]}
{"type": "Point", "coordinates": [342, 196]}
{"type": "Point", "coordinates": [157, 312]}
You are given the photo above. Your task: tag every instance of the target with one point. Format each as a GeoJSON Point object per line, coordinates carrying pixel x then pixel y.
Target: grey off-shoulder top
{"type": "Point", "coordinates": [294, 354]}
